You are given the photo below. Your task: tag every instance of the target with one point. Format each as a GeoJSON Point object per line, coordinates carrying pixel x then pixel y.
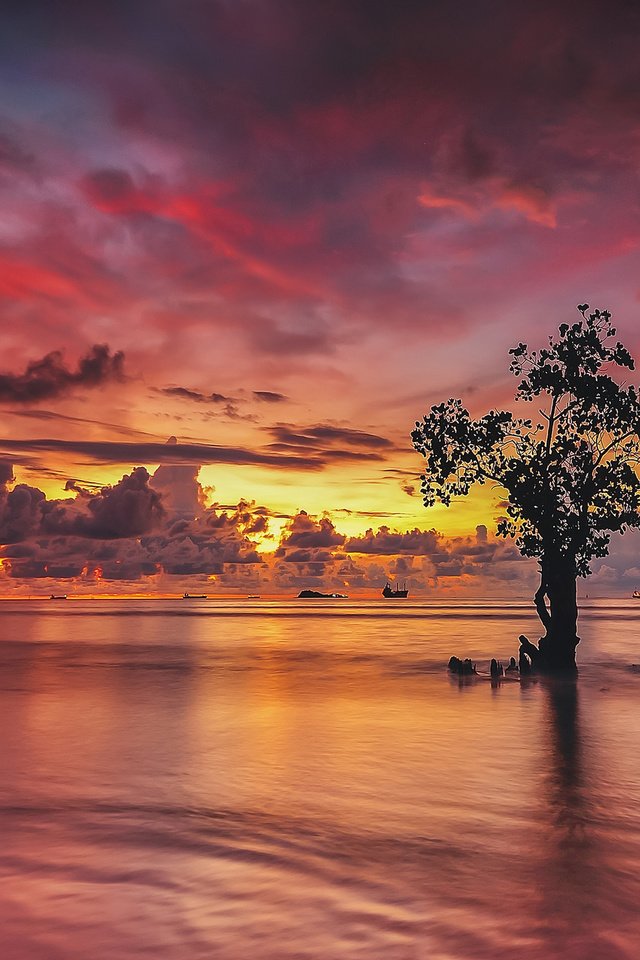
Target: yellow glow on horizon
{"type": "Point", "coordinates": [353, 506]}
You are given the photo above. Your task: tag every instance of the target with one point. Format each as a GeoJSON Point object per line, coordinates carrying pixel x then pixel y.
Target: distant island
{"type": "Point", "coordinates": [314, 595]}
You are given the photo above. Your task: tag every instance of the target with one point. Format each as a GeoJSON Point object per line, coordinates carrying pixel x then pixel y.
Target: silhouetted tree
{"type": "Point", "coordinates": [570, 475]}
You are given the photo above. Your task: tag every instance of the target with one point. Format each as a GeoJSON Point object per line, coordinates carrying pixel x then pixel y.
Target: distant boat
{"type": "Point", "coordinates": [194, 596]}
{"type": "Point", "coordinates": [391, 593]}
{"type": "Point", "coordinates": [636, 594]}
{"type": "Point", "coordinates": [58, 596]}
{"type": "Point", "coordinates": [253, 596]}
{"type": "Point", "coordinates": [314, 595]}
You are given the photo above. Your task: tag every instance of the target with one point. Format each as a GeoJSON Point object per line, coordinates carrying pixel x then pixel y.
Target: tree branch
{"type": "Point", "coordinates": [570, 406]}
{"type": "Point", "coordinates": [551, 418]}
{"type": "Point", "coordinates": [613, 444]}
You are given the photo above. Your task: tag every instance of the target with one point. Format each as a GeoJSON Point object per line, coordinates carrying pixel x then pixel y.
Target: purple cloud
{"type": "Point", "coordinates": [49, 378]}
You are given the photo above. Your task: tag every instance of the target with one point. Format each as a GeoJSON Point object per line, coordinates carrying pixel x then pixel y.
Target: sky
{"type": "Point", "coordinates": [245, 244]}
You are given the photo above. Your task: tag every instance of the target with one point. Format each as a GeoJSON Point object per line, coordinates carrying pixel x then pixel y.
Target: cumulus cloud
{"type": "Point", "coordinates": [427, 559]}
{"type": "Point", "coordinates": [130, 530]}
{"type": "Point", "coordinates": [146, 526]}
{"type": "Point", "coordinates": [307, 540]}
{"type": "Point", "coordinates": [20, 512]}
{"type": "Point", "coordinates": [313, 553]}
{"type": "Point", "coordinates": [179, 487]}
{"type": "Point", "coordinates": [619, 573]}
{"type": "Point", "coordinates": [129, 508]}
{"type": "Point", "coordinates": [384, 542]}
{"type": "Point", "coordinates": [205, 544]}
{"type": "Point", "coordinates": [49, 378]}
{"type": "Point", "coordinates": [162, 526]}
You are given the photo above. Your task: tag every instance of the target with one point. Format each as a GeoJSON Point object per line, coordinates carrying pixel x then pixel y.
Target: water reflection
{"type": "Point", "coordinates": [581, 916]}
{"type": "Point", "coordinates": [567, 798]}
{"type": "Point", "coordinates": [280, 787]}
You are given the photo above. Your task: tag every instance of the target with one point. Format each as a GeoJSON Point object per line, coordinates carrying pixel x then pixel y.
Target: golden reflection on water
{"type": "Point", "coordinates": [275, 787]}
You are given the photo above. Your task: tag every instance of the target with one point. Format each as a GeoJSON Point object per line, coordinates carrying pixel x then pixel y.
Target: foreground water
{"type": "Point", "coordinates": [193, 779]}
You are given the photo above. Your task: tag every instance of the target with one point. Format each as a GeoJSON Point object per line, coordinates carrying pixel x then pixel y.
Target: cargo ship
{"type": "Point", "coordinates": [394, 593]}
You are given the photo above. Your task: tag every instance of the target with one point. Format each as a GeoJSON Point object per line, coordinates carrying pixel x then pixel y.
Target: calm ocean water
{"type": "Point", "coordinates": [268, 780]}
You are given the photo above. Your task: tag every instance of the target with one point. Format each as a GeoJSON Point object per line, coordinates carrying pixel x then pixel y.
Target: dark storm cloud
{"type": "Point", "coordinates": [49, 378]}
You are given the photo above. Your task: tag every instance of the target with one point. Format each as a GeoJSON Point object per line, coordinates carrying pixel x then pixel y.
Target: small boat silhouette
{"type": "Point", "coordinates": [194, 596]}
{"type": "Point", "coordinates": [58, 596]}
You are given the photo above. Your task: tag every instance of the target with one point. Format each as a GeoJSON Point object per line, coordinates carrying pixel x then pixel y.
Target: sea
{"type": "Point", "coordinates": [270, 780]}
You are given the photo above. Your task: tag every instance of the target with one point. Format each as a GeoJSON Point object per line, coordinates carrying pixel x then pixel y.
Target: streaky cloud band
{"type": "Point", "coordinates": [114, 451]}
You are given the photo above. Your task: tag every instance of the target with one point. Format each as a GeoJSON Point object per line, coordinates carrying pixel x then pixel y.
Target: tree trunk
{"type": "Point", "coordinates": [556, 652]}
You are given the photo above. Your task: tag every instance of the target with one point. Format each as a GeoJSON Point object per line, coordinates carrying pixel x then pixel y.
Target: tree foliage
{"type": "Point", "coordinates": [570, 471]}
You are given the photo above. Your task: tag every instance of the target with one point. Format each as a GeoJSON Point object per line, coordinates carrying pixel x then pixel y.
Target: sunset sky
{"type": "Point", "coordinates": [245, 244]}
